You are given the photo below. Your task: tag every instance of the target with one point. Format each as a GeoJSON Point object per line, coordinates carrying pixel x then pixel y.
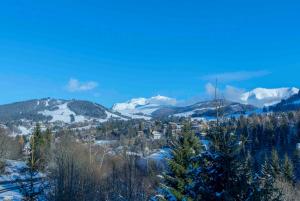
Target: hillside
{"type": "Point", "coordinates": [21, 116]}
{"type": "Point", "coordinates": [206, 109]}
{"type": "Point", "coordinates": [290, 104]}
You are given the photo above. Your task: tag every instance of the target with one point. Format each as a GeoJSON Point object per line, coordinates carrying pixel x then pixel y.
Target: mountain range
{"type": "Point", "coordinates": [21, 116]}
{"type": "Point", "coordinates": [158, 106]}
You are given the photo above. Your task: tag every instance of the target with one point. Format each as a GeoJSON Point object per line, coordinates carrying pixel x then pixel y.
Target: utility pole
{"type": "Point", "coordinates": [32, 151]}
{"type": "Point", "coordinates": [216, 101]}
{"type": "Point", "coordinates": [90, 147]}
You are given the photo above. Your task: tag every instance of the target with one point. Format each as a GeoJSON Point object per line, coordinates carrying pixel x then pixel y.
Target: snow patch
{"type": "Point", "coordinates": [24, 130]}
{"type": "Point", "coordinates": [63, 114]}
{"type": "Point", "coordinates": [105, 142]}
{"type": "Point", "coordinates": [13, 171]}
{"type": "Point", "coordinates": [142, 108]}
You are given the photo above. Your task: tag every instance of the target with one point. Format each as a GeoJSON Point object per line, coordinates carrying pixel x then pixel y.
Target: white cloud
{"type": "Point", "coordinates": [235, 76]}
{"type": "Point", "coordinates": [211, 89]}
{"type": "Point", "coordinates": [75, 85]}
{"type": "Point", "coordinates": [162, 100]}
{"type": "Point", "coordinates": [233, 93]}
{"type": "Point", "coordinates": [229, 92]}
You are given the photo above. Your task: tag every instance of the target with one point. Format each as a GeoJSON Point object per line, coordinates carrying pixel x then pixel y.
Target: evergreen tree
{"type": "Point", "coordinates": [298, 128]}
{"type": "Point", "coordinates": [30, 190]}
{"type": "Point", "coordinates": [227, 174]}
{"type": "Point", "coordinates": [48, 139]}
{"type": "Point", "coordinates": [288, 169]}
{"type": "Point", "coordinates": [268, 191]}
{"type": "Point", "coordinates": [246, 175]}
{"type": "Point", "coordinates": [34, 159]}
{"type": "Point", "coordinates": [225, 171]}
{"type": "Point", "coordinates": [178, 180]}
{"type": "Point", "coordinates": [40, 147]}
{"type": "Point", "coordinates": [275, 164]}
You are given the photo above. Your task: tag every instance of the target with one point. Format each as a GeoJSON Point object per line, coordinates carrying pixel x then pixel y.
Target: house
{"type": "Point", "coordinates": [156, 135]}
{"type": "Point", "coordinates": [88, 138]}
{"type": "Point", "coordinates": [140, 133]}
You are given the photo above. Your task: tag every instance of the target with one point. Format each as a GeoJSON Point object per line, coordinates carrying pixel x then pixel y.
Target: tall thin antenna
{"type": "Point", "coordinates": [216, 86]}
{"type": "Point", "coordinates": [216, 101]}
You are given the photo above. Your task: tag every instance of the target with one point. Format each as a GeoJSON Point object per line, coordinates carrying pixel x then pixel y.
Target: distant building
{"type": "Point", "coordinates": [140, 133]}
{"type": "Point", "coordinates": [88, 138]}
{"type": "Point", "coordinates": [156, 135]}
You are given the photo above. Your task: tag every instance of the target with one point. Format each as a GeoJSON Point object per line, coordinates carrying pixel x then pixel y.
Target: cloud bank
{"type": "Point", "coordinates": [75, 85]}
{"type": "Point", "coordinates": [235, 76]}
{"type": "Point", "coordinates": [229, 92]}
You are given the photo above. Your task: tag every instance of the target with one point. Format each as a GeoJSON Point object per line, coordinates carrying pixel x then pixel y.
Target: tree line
{"type": "Point", "coordinates": [224, 171]}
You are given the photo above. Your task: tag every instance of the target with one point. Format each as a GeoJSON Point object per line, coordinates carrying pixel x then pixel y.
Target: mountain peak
{"type": "Point", "coordinates": [261, 97]}
{"type": "Point", "coordinates": [143, 107]}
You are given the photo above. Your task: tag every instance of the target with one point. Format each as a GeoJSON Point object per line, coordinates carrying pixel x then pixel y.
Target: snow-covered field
{"type": "Point", "coordinates": [14, 170]}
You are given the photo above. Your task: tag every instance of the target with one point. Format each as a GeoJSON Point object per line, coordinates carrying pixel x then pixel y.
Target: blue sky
{"type": "Point", "coordinates": [111, 51]}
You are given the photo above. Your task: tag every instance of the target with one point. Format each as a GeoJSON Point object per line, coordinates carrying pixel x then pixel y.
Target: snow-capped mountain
{"type": "Point", "coordinates": [290, 104]}
{"type": "Point", "coordinates": [205, 109]}
{"type": "Point", "coordinates": [55, 112]}
{"type": "Point", "coordinates": [261, 97]}
{"type": "Point", "coordinates": [143, 107]}
{"type": "Point", "coordinates": [161, 106]}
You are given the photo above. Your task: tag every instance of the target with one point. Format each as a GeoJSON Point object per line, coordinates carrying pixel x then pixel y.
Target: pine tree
{"type": "Point", "coordinates": [178, 180]}
{"type": "Point", "coordinates": [34, 156]}
{"type": "Point", "coordinates": [246, 175]}
{"type": "Point", "coordinates": [47, 139]}
{"type": "Point", "coordinates": [288, 169]}
{"type": "Point", "coordinates": [39, 144]}
{"type": "Point", "coordinates": [298, 129]}
{"type": "Point", "coordinates": [30, 190]}
{"type": "Point", "coordinates": [227, 175]}
{"type": "Point", "coordinates": [275, 164]}
{"type": "Point", "coordinates": [268, 191]}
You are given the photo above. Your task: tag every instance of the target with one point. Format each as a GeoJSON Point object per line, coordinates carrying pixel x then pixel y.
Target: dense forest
{"type": "Point", "coordinates": [240, 158]}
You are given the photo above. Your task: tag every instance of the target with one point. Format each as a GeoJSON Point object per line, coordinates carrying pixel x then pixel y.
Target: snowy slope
{"type": "Point", "coordinates": [207, 109]}
{"type": "Point", "coordinates": [265, 97]}
{"type": "Point", "coordinates": [63, 114]}
{"type": "Point", "coordinates": [55, 110]}
{"type": "Point", "coordinates": [290, 104]}
{"type": "Point", "coordinates": [142, 108]}
{"type": "Point", "coordinates": [75, 111]}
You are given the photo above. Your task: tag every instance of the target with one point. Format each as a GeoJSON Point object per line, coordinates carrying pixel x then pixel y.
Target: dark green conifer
{"type": "Point", "coordinates": [275, 164]}
{"type": "Point", "coordinates": [179, 179]}
{"type": "Point", "coordinates": [288, 169]}
{"type": "Point", "coordinates": [268, 191]}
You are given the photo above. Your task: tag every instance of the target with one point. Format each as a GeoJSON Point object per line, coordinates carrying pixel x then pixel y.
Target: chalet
{"type": "Point", "coordinates": [156, 135]}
